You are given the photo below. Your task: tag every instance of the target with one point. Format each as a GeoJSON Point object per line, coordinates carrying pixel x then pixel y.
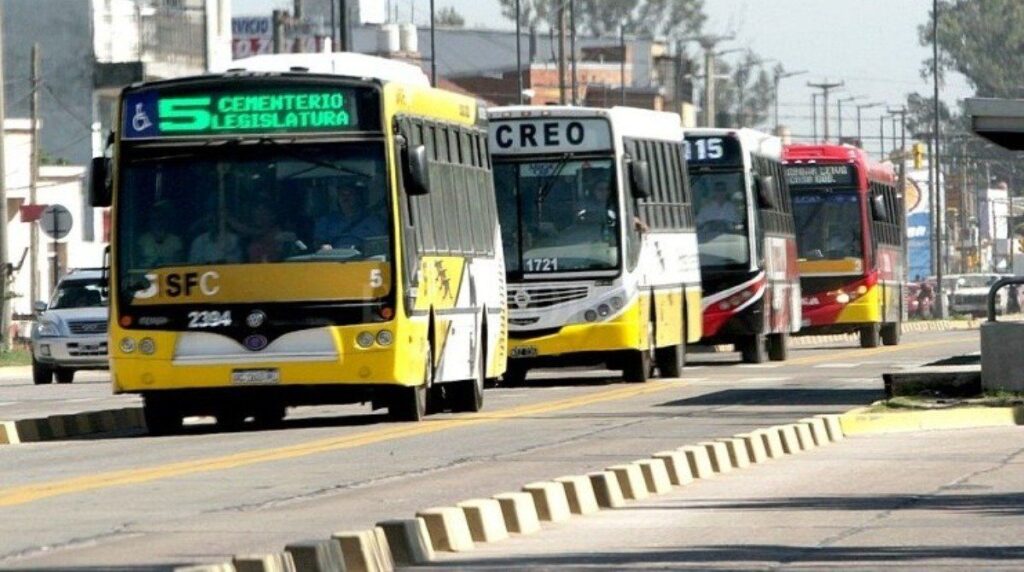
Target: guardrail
{"type": "Point", "coordinates": [1000, 284]}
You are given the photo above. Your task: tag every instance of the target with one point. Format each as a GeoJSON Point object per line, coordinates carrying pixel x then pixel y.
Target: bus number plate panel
{"type": "Point", "coordinates": [255, 376]}
{"type": "Point", "coordinates": [523, 352]}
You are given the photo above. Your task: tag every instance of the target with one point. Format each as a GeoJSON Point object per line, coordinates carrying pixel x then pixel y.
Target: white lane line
{"type": "Point", "coordinates": [758, 365]}
{"type": "Point", "coordinates": [838, 365]}
{"type": "Point", "coordinates": [765, 379]}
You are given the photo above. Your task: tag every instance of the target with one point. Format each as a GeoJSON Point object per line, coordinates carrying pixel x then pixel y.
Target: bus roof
{"type": "Point", "coordinates": [750, 139]}
{"type": "Point", "coordinates": [340, 63]}
{"type": "Point", "coordinates": [626, 121]}
{"type": "Point", "coordinates": [814, 153]}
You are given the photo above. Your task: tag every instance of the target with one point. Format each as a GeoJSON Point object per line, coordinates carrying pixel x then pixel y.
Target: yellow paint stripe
{"type": "Point", "coordinates": [874, 351]}
{"type": "Point", "coordinates": [862, 421]}
{"type": "Point", "coordinates": [33, 492]}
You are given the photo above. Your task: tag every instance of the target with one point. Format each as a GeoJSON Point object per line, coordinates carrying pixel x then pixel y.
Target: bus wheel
{"type": "Point", "coordinates": [161, 416]}
{"type": "Point", "coordinates": [636, 366]}
{"type": "Point", "coordinates": [269, 415]}
{"type": "Point", "coordinates": [869, 336]}
{"type": "Point", "coordinates": [778, 346]}
{"type": "Point", "coordinates": [230, 419]}
{"type": "Point", "coordinates": [670, 360]}
{"type": "Point", "coordinates": [409, 403]}
{"type": "Point", "coordinates": [752, 349]}
{"type": "Point", "coordinates": [467, 396]}
{"type": "Point", "coordinates": [515, 375]}
{"type": "Point", "coordinates": [891, 334]}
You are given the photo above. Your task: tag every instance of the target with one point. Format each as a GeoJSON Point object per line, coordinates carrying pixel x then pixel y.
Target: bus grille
{"type": "Point", "coordinates": [526, 298]}
{"type": "Point", "coordinates": [87, 328]}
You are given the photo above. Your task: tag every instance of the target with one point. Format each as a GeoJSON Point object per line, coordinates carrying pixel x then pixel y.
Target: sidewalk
{"type": "Point", "coordinates": [939, 499]}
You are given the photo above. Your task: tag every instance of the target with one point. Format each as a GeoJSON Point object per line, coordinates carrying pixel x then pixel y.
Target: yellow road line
{"type": "Point", "coordinates": [33, 492]}
{"type": "Point", "coordinates": [873, 351]}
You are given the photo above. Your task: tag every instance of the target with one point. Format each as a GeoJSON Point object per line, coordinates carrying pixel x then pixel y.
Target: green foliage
{"type": "Point", "coordinates": [449, 17]}
{"type": "Point", "coordinates": [14, 357]}
{"type": "Point", "coordinates": [604, 17]}
{"type": "Point", "coordinates": [745, 100]}
{"type": "Point", "coordinates": [983, 40]}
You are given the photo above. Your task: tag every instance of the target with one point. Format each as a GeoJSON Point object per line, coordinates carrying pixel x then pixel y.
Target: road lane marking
{"type": "Point", "coordinates": [33, 492]}
{"type": "Point", "coordinates": [838, 365]}
{"type": "Point", "coordinates": [23, 494]}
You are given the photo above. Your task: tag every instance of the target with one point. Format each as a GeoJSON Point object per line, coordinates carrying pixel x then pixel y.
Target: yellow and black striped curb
{"type": "Point", "coordinates": [865, 420]}
{"type": "Point", "coordinates": [67, 426]}
{"type": "Point", "coordinates": [460, 527]}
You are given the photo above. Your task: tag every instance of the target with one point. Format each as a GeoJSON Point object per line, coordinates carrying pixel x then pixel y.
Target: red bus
{"type": "Point", "coordinates": [746, 241]}
{"type": "Point", "coordinates": [850, 237]}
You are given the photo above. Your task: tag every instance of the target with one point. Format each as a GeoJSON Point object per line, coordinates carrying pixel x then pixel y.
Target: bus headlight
{"type": "Point", "coordinates": [590, 315]}
{"type": "Point", "coordinates": [147, 346]}
{"type": "Point", "coordinates": [604, 310]}
{"type": "Point", "coordinates": [384, 337]}
{"type": "Point", "coordinates": [127, 345]}
{"type": "Point", "coordinates": [618, 302]}
{"type": "Point", "coordinates": [842, 298]}
{"type": "Point", "coordinates": [364, 340]}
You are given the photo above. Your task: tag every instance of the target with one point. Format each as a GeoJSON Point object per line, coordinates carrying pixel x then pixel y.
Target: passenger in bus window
{"type": "Point", "coordinates": [158, 246]}
{"type": "Point", "coordinates": [268, 242]}
{"type": "Point", "coordinates": [353, 222]}
{"type": "Point", "coordinates": [719, 214]}
{"type": "Point", "coordinates": [216, 245]}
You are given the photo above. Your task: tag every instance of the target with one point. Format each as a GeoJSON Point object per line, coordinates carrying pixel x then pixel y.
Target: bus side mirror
{"type": "Point", "coordinates": [99, 182]}
{"type": "Point", "coordinates": [767, 192]}
{"type": "Point", "coordinates": [640, 179]}
{"type": "Point", "coordinates": [419, 171]}
{"type": "Point", "coordinates": [878, 208]}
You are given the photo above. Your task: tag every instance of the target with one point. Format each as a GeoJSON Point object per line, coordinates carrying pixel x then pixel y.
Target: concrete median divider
{"type": "Point", "coordinates": [222, 567]}
{"type": "Point", "coordinates": [754, 443]}
{"type": "Point", "coordinates": [519, 511]}
{"type": "Point", "coordinates": [655, 475]}
{"type": "Point", "coordinates": [579, 491]}
{"type": "Point", "coordinates": [631, 481]}
{"type": "Point", "coordinates": [818, 430]}
{"type": "Point", "coordinates": [772, 440]}
{"type": "Point", "coordinates": [699, 460]}
{"type": "Point", "coordinates": [790, 441]}
{"type": "Point", "coordinates": [719, 456]}
{"type": "Point", "coordinates": [361, 551]}
{"type": "Point", "coordinates": [833, 426]}
{"type": "Point", "coordinates": [8, 433]}
{"type": "Point", "coordinates": [804, 436]}
{"type": "Point", "coordinates": [485, 520]}
{"type": "Point", "coordinates": [70, 426]}
{"type": "Point", "coordinates": [678, 468]}
{"type": "Point", "coordinates": [448, 529]}
{"type": "Point", "coordinates": [737, 449]}
{"type": "Point", "coordinates": [316, 556]}
{"type": "Point", "coordinates": [606, 489]}
{"type": "Point", "coordinates": [408, 540]}
{"type": "Point", "coordinates": [280, 562]}
{"type": "Point", "coordinates": [549, 498]}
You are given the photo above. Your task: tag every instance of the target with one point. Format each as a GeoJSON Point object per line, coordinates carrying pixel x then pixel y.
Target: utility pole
{"type": "Point", "coordinates": [780, 75]}
{"type": "Point", "coordinates": [572, 49]}
{"type": "Point", "coordinates": [940, 243]}
{"type": "Point", "coordinates": [839, 112]}
{"type": "Point", "coordinates": [433, 48]}
{"type": "Point", "coordinates": [33, 180]}
{"type": "Point", "coordinates": [708, 43]}
{"type": "Point", "coordinates": [519, 53]}
{"type": "Point", "coordinates": [881, 134]}
{"type": "Point", "coordinates": [814, 115]}
{"type": "Point", "coordinates": [826, 87]}
{"type": "Point", "coordinates": [622, 64]}
{"type": "Point", "coordinates": [5, 265]}
{"type": "Point", "coordinates": [860, 138]}
{"type": "Point", "coordinates": [343, 35]}
{"type": "Point", "coordinates": [277, 20]}
{"type": "Point", "coordinates": [562, 88]}
{"type": "Point", "coordinates": [297, 10]}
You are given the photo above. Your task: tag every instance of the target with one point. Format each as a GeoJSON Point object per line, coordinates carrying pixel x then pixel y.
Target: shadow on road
{"type": "Point", "coordinates": [782, 396]}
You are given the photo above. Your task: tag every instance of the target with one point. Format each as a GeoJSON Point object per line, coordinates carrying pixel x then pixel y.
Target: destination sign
{"type": "Point", "coordinates": [228, 109]}
{"type": "Point", "coordinates": [821, 175]}
{"type": "Point", "coordinates": [708, 150]}
{"type": "Point", "coordinates": [549, 135]}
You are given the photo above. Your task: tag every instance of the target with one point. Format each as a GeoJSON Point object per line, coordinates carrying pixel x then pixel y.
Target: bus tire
{"type": "Point", "coordinates": [515, 374]}
{"type": "Point", "coordinates": [672, 359]}
{"type": "Point", "coordinates": [268, 416]}
{"type": "Point", "coordinates": [752, 349]}
{"type": "Point", "coordinates": [161, 416]}
{"type": "Point", "coordinates": [409, 403]}
{"type": "Point", "coordinates": [41, 374]}
{"type": "Point", "coordinates": [870, 336]}
{"type": "Point", "coordinates": [467, 396]}
{"type": "Point", "coordinates": [891, 334]}
{"type": "Point", "coordinates": [636, 366]}
{"type": "Point", "coordinates": [778, 346]}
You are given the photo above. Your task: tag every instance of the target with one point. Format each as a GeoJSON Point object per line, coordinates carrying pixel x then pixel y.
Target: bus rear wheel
{"type": "Point", "coordinates": [515, 375]}
{"type": "Point", "coordinates": [467, 396]}
{"type": "Point", "coordinates": [671, 360]}
{"type": "Point", "coordinates": [162, 416]}
{"type": "Point", "coordinates": [891, 334]}
{"type": "Point", "coordinates": [752, 349]}
{"type": "Point", "coordinates": [409, 403]}
{"type": "Point", "coordinates": [778, 346]}
{"type": "Point", "coordinates": [870, 337]}
{"type": "Point", "coordinates": [636, 366]}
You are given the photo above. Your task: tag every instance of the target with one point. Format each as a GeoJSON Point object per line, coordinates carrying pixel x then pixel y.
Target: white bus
{"type": "Point", "coordinates": [599, 239]}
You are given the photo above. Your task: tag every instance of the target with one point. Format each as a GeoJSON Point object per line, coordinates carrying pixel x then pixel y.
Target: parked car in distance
{"type": "Point", "coordinates": [969, 294]}
{"type": "Point", "coordinates": [71, 331]}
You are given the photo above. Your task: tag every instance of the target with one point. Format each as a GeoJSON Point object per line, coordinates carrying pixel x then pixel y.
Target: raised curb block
{"type": "Point", "coordinates": [818, 430]}
{"type": "Point", "coordinates": [789, 439]}
{"type": "Point", "coordinates": [860, 421]}
{"type": "Point", "coordinates": [606, 489]}
{"type": "Point", "coordinates": [281, 562]}
{"type": "Point", "coordinates": [631, 481]}
{"type": "Point", "coordinates": [316, 556]}
{"type": "Point", "coordinates": [754, 443]}
{"type": "Point", "coordinates": [359, 550]}
{"type": "Point", "coordinates": [678, 467]}
{"type": "Point", "coordinates": [384, 556]}
{"type": "Point", "coordinates": [70, 425]}
{"type": "Point", "coordinates": [655, 475]}
{"type": "Point", "coordinates": [448, 529]}
{"type": "Point", "coordinates": [485, 520]}
{"type": "Point", "coordinates": [409, 541]}
{"type": "Point", "coordinates": [549, 498]}
{"type": "Point", "coordinates": [699, 461]}
{"type": "Point", "coordinates": [580, 493]}
{"type": "Point", "coordinates": [803, 434]}
{"type": "Point", "coordinates": [772, 440]}
{"type": "Point", "coordinates": [519, 511]}
{"type": "Point", "coordinates": [737, 449]}
{"type": "Point", "coordinates": [225, 567]}
{"type": "Point", "coordinates": [719, 456]}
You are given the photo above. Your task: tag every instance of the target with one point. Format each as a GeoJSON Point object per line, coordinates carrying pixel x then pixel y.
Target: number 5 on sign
{"type": "Point", "coordinates": [376, 278]}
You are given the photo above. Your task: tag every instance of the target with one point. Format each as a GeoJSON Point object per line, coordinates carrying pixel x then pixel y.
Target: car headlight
{"type": "Point", "coordinates": [47, 330]}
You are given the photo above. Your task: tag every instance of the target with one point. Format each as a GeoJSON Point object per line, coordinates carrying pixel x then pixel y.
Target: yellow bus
{"type": "Point", "coordinates": [304, 229]}
{"type": "Point", "coordinates": [599, 239]}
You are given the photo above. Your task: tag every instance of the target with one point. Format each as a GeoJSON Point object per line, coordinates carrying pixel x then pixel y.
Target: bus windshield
{"type": "Point", "coordinates": [251, 204]}
{"type": "Point", "coordinates": [828, 224]}
{"type": "Point", "coordinates": [558, 215]}
{"type": "Point", "coordinates": [720, 204]}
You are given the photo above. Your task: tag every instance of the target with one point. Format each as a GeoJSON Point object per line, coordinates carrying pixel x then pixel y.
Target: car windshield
{"type": "Point", "coordinates": [828, 224]}
{"type": "Point", "coordinates": [976, 280]}
{"type": "Point", "coordinates": [558, 215]}
{"type": "Point", "coordinates": [719, 200]}
{"type": "Point", "coordinates": [79, 294]}
{"type": "Point", "coordinates": [252, 204]}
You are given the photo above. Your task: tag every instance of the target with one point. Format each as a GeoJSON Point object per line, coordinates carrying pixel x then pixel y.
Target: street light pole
{"type": "Point", "coordinates": [777, 78]}
{"type": "Point", "coordinates": [826, 87]}
{"type": "Point", "coordinates": [860, 138]}
{"type": "Point", "coordinates": [839, 110]}
{"type": "Point", "coordinates": [814, 115]}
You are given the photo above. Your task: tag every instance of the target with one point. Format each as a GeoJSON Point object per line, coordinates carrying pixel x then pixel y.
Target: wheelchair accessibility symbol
{"type": "Point", "coordinates": [140, 121]}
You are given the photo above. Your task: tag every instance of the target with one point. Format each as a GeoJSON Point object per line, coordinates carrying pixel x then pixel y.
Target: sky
{"type": "Point", "coordinates": [871, 45]}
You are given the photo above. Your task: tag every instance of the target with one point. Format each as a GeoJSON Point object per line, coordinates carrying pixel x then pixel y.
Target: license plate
{"type": "Point", "coordinates": [91, 348]}
{"type": "Point", "coordinates": [523, 352]}
{"type": "Point", "coordinates": [255, 376]}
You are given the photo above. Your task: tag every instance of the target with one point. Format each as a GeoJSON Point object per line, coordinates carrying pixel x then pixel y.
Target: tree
{"type": "Point", "coordinates": [983, 41]}
{"type": "Point", "coordinates": [604, 17]}
{"type": "Point", "coordinates": [746, 97]}
{"type": "Point", "coordinates": [449, 17]}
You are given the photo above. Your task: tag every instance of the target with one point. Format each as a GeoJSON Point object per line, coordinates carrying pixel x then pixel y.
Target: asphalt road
{"type": "Point", "coordinates": [151, 503]}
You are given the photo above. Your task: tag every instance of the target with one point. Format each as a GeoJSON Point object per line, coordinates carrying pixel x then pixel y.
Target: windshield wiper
{"type": "Point", "coordinates": [549, 181]}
